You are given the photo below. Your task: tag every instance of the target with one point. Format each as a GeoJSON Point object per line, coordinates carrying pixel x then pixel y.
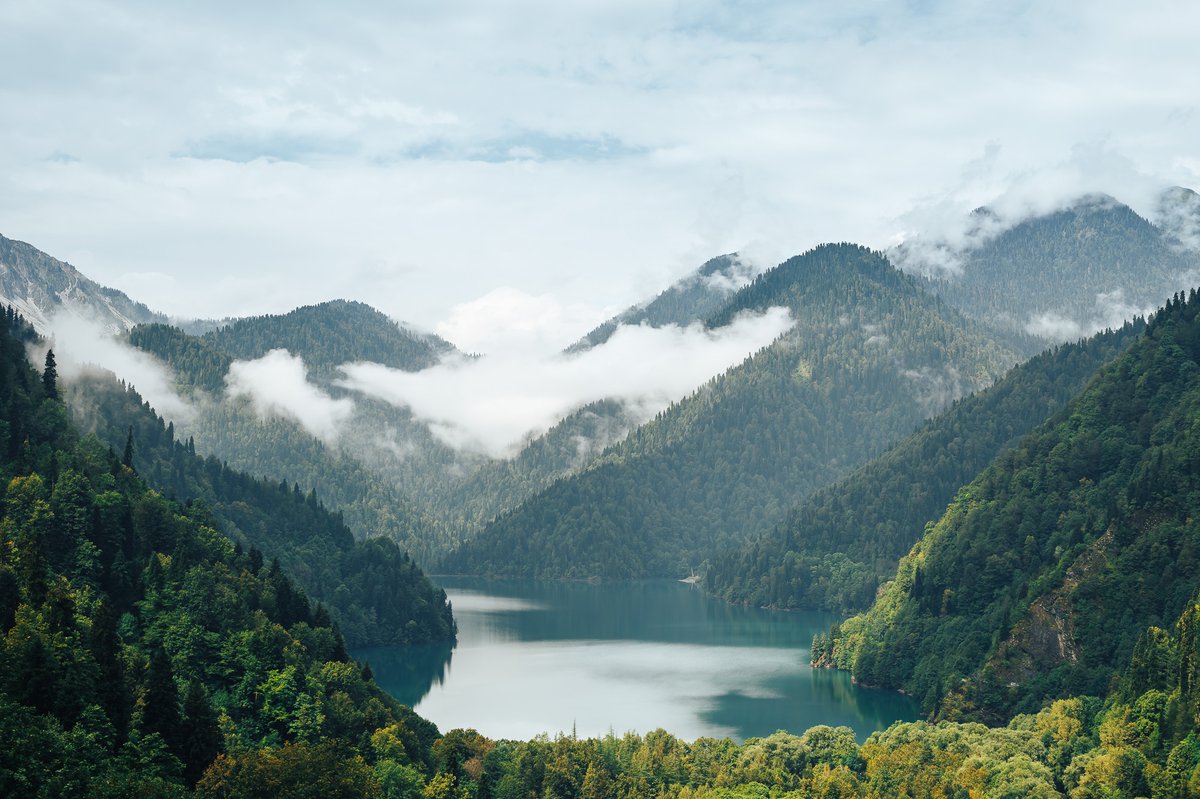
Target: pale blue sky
{"type": "Point", "coordinates": [218, 158]}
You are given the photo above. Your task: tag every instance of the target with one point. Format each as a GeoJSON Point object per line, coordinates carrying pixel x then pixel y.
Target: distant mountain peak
{"type": "Point", "coordinates": [689, 300]}
{"type": "Point", "coordinates": [1177, 214]}
{"type": "Point", "coordinates": [40, 286]}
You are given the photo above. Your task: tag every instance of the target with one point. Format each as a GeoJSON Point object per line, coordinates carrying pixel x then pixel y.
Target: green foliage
{"type": "Point", "coordinates": [842, 542]}
{"type": "Point", "coordinates": [871, 355]}
{"type": "Point", "coordinates": [375, 592]}
{"type": "Point", "coordinates": [139, 644]}
{"type": "Point", "coordinates": [1044, 572]}
{"type": "Point", "coordinates": [330, 334]}
{"type": "Point", "coordinates": [1072, 264]}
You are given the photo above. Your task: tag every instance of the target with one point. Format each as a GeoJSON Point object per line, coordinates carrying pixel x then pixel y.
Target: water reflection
{"type": "Point", "coordinates": [549, 657]}
{"type": "Point", "coordinates": [408, 673]}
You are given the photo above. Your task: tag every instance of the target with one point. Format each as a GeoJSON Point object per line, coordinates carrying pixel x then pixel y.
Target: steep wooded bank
{"type": "Point", "coordinates": [838, 545]}
{"type": "Point", "coordinates": [870, 355]}
{"type": "Point", "coordinates": [140, 645]}
{"type": "Point", "coordinates": [1038, 580]}
{"type": "Point", "coordinates": [373, 590]}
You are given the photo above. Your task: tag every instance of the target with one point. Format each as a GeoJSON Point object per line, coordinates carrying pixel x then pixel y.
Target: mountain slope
{"type": "Point", "coordinates": [840, 543]}
{"type": "Point", "coordinates": [1058, 276]}
{"type": "Point", "coordinates": [870, 355]}
{"type": "Point", "coordinates": [329, 334]}
{"type": "Point", "coordinates": [139, 644]}
{"type": "Point", "coordinates": [687, 301]}
{"type": "Point", "coordinates": [1041, 575]}
{"type": "Point", "coordinates": [39, 287]}
{"type": "Point", "coordinates": [374, 591]}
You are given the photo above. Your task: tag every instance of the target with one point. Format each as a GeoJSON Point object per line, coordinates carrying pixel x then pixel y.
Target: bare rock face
{"type": "Point", "coordinates": [40, 287]}
{"type": "Point", "coordinates": [1043, 639]}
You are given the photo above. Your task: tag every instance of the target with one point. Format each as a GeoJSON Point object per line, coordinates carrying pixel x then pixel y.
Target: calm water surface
{"type": "Point", "coordinates": [536, 657]}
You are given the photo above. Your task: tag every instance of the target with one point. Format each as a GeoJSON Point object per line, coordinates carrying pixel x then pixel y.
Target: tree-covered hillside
{"type": "Point", "coordinates": [385, 468]}
{"type": "Point", "coordinates": [140, 646]}
{"type": "Point", "coordinates": [373, 590]}
{"type": "Point", "coordinates": [690, 300]}
{"type": "Point", "coordinates": [329, 334]}
{"type": "Point", "coordinates": [1043, 572]}
{"type": "Point", "coordinates": [1066, 273]}
{"type": "Point", "coordinates": [870, 355]}
{"type": "Point", "coordinates": [838, 545]}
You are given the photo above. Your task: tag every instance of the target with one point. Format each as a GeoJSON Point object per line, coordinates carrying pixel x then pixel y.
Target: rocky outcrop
{"type": "Point", "coordinates": [40, 287]}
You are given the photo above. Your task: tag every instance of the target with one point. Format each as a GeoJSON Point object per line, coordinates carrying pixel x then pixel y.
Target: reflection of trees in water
{"type": "Point", "coordinates": [805, 699]}
{"type": "Point", "coordinates": [408, 672]}
{"type": "Point", "coordinates": [877, 707]}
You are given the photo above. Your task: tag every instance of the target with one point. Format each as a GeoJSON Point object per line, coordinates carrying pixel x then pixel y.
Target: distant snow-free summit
{"type": "Point", "coordinates": [40, 287]}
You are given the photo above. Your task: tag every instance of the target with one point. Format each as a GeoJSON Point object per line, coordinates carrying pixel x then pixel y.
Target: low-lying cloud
{"type": "Point", "coordinates": [277, 385]}
{"type": "Point", "coordinates": [1110, 311]}
{"type": "Point", "coordinates": [81, 345]}
{"type": "Point", "coordinates": [496, 404]}
{"type": "Point", "coordinates": [936, 233]}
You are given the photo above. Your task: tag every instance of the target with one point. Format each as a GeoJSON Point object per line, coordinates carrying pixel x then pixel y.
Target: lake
{"type": "Point", "coordinates": [551, 657]}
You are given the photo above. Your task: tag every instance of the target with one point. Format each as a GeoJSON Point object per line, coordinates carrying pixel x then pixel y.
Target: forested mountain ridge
{"type": "Point", "coordinates": [40, 286]}
{"type": "Point", "coordinates": [383, 457]}
{"type": "Point", "coordinates": [141, 648]}
{"type": "Point", "coordinates": [687, 301]}
{"type": "Point", "coordinates": [870, 355]}
{"type": "Point", "coordinates": [373, 591]}
{"type": "Point", "coordinates": [1061, 275]}
{"type": "Point", "coordinates": [838, 545]}
{"type": "Point", "coordinates": [1044, 570]}
{"type": "Point", "coordinates": [325, 335]}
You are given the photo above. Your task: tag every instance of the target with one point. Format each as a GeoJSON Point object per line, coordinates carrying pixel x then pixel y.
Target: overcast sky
{"type": "Point", "coordinates": [463, 164]}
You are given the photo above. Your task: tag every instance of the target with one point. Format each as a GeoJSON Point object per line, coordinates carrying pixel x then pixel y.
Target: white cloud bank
{"type": "Point", "coordinates": [80, 345]}
{"type": "Point", "coordinates": [221, 158]}
{"type": "Point", "coordinates": [277, 385]}
{"type": "Point", "coordinates": [495, 404]}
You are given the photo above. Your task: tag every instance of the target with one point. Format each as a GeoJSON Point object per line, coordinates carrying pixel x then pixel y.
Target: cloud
{"type": "Point", "coordinates": [496, 403]}
{"type": "Point", "coordinates": [508, 319]}
{"type": "Point", "coordinates": [592, 152]}
{"type": "Point", "coordinates": [937, 231]}
{"type": "Point", "coordinates": [277, 385]}
{"type": "Point", "coordinates": [1111, 310]}
{"type": "Point", "coordinates": [1054, 326]}
{"type": "Point", "coordinates": [81, 345]}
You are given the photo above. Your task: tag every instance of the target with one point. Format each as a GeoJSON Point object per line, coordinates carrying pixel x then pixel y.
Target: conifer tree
{"type": "Point", "coordinates": [128, 457]}
{"type": "Point", "coordinates": [50, 376]}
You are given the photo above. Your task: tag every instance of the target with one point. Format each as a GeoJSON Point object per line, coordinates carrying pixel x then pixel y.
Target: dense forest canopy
{"type": "Point", "coordinates": [1044, 571]}
{"type": "Point", "coordinates": [871, 354]}
{"type": "Point", "coordinates": [838, 545]}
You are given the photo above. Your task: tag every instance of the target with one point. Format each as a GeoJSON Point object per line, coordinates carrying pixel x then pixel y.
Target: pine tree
{"type": "Point", "coordinates": [160, 701]}
{"type": "Point", "coordinates": [200, 734]}
{"type": "Point", "coordinates": [50, 376]}
{"type": "Point", "coordinates": [128, 458]}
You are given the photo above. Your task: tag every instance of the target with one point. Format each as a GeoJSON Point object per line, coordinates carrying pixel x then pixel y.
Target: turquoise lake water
{"type": "Point", "coordinates": [548, 657]}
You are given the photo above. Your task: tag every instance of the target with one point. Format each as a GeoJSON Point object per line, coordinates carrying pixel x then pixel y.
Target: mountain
{"type": "Point", "coordinates": [687, 301]}
{"type": "Point", "coordinates": [39, 287]}
{"type": "Point", "coordinates": [375, 592]}
{"type": "Point", "coordinates": [1043, 572]}
{"type": "Point", "coordinates": [1058, 276]}
{"type": "Point", "coordinates": [870, 355]}
{"type": "Point", "coordinates": [141, 648]}
{"type": "Point", "coordinates": [383, 464]}
{"type": "Point", "coordinates": [1177, 214]}
{"type": "Point", "coordinates": [839, 544]}
{"type": "Point", "coordinates": [330, 334]}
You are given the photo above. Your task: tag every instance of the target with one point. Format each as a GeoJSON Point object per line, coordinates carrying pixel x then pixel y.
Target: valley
{"type": "Point", "coordinates": [906, 500]}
